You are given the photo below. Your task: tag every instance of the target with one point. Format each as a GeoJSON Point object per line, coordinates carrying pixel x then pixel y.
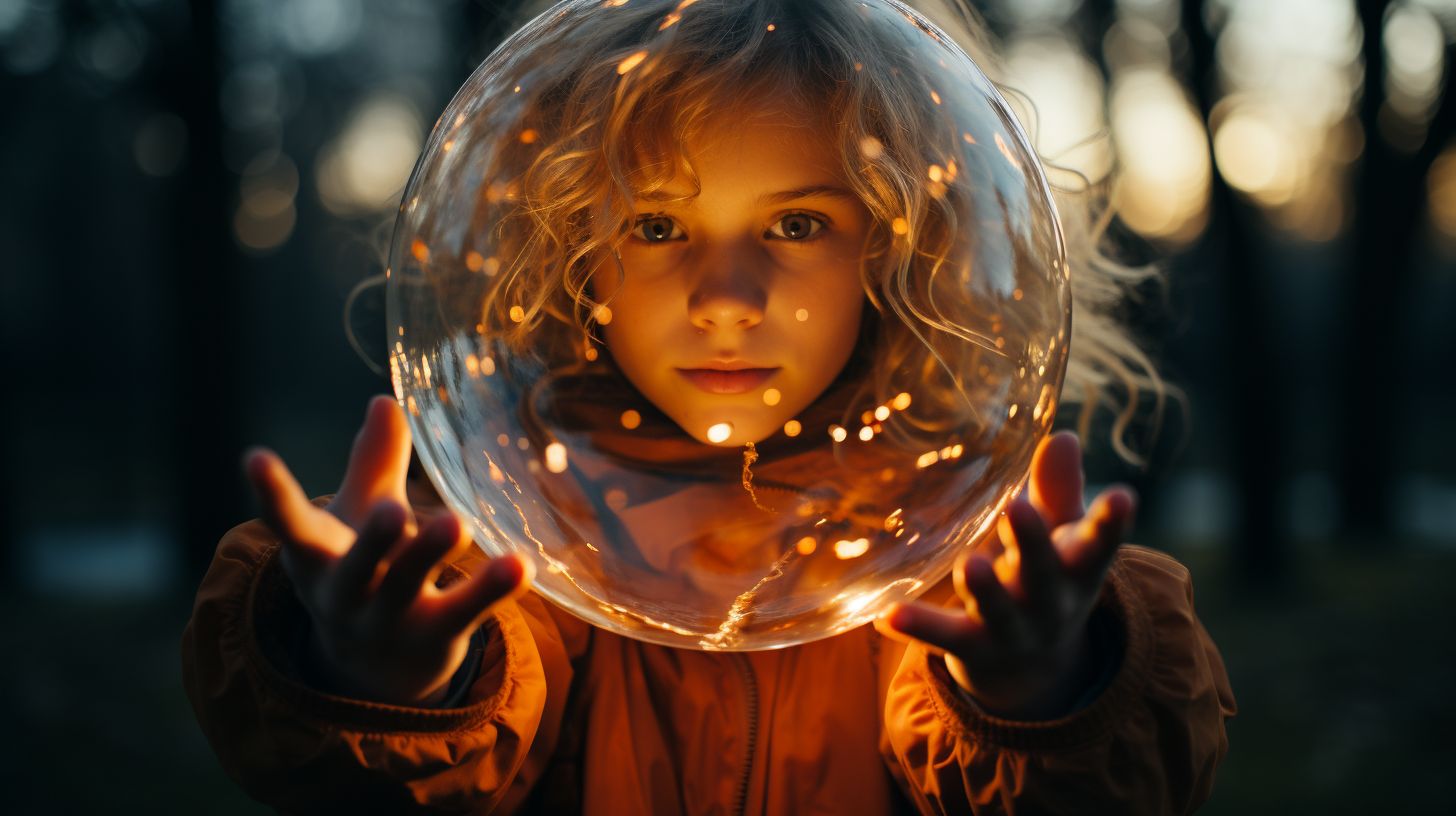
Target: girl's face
{"type": "Point", "coordinates": [741, 304]}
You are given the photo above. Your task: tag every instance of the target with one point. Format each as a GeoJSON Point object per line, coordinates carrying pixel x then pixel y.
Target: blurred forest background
{"type": "Point", "coordinates": [192, 189]}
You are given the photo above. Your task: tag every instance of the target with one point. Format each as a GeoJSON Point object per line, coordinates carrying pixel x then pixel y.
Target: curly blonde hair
{"type": "Point", "coordinates": [557, 194]}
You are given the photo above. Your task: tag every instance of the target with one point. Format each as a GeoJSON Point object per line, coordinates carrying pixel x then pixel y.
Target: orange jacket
{"type": "Point", "coordinates": [567, 718]}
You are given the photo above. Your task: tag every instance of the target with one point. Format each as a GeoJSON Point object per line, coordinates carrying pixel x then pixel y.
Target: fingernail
{"type": "Point", "coordinates": [900, 618]}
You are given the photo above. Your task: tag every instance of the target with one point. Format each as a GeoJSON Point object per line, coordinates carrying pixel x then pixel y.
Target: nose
{"type": "Point", "coordinates": [727, 294]}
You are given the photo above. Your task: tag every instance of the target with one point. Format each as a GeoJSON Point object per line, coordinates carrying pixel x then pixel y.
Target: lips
{"type": "Point", "coordinates": [727, 380]}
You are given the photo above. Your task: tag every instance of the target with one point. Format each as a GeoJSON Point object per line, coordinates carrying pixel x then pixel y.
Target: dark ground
{"type": "Point", "coordinates": [1343, 680]}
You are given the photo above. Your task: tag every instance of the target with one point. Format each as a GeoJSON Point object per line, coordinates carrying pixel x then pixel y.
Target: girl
{"type": "Point", "coordinates": [357, 651]}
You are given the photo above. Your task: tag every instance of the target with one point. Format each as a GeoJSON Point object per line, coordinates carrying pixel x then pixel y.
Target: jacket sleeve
{"type": "Point", "coordinates": [304, 751]}
{"type": "Point", "coordinates": [1148, 743]}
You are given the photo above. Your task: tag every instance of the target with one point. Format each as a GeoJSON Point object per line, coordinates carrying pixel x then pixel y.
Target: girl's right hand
{"type": "Point", "coordinates": [366, 574]}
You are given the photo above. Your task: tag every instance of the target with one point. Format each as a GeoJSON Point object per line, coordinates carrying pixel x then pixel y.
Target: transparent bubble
{"type": "Point", "coordinates": [741, 319]}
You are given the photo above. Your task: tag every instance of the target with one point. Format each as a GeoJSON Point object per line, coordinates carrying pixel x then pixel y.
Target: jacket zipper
{"type": "Point", "coordinates": [750, 693]}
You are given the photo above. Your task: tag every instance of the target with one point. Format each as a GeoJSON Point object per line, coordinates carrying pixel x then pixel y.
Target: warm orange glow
{"type": "Point", "coordinates": [631, 419]}
{"type": "Point", "coordinates": [866, 433]}
{"type": "Point", "coordinates": [631, 62]}
{"type": "Point", "coordinates": [420, 251]}
{"type": "Point", "coordinates": [518, 314]}
{"type": "Point", "coordinates": [901, 401]}
{"type": "Point", "coordinates": [837, 433]}
{"type": "Point", "coordinates": [935, 97]}
{"type": "Point", "coordinates": [472, 365]}
{"type": "Point", "coordinates": [792, 428]}
{"type": "Point", "coordinates": [846, 549]}
{"type": "Point", "coordinates": [771, 396]}
{"type": "Point", "coordinates": [503, 440]}
{"type": "Point", "coordinates": [556, 457]}
{"type": "Point", "coordinates": [802, 315]}
{"type": "Point", "coordinates": [602, 314]}
{"type": "Point", "coordinates": [882, 413]}
{"type": "Point", "coordinates": [806, 545]}
{"type": "Point", "coordinates": [871, 148]}
{"type": "Point", "coordinates": [900, 226]}
{"type": "Point", "coordinates": [528, 136]}
{"type": "Point", "coordinates": [720, 432]}
{"type": "Point", "coordinates": [770, 26]}
{"type": "Point", "coordinates": [474, 261]}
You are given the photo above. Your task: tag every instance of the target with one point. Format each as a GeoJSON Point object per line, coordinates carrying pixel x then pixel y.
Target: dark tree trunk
{"type": "Point", "coordinates": [1251, 403]}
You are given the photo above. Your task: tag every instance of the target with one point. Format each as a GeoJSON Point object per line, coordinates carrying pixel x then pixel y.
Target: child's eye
{"type": "Point", "coordinates": [796, 227]}
{"type": "Point", "coordinates": [655, 229]}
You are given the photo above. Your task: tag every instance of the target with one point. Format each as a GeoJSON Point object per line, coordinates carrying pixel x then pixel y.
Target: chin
{"type": "Point", "coordinates": [745, 426]}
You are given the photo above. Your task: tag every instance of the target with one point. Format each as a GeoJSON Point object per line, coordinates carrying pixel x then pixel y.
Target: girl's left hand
{"type": "Point", "coordinates": [1020, 646]}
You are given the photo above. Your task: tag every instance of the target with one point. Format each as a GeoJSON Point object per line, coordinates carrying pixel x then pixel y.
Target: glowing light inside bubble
{"type": "Point", "coordinates": [882, 413]}
{"type": "Point", "coordinates": [631, 419]}
{"type": "Point", "coordinates": [529, 136]}
{"type": "Point", "coordinates": [900, 226]}
{"type": "Point", "coordinates": [866, 433]}
{"type": "Point", "coordinates": [518, 314]}
{"type": "Point", "coordinates": [1011, 412]}
{"type": "Point", "coordinates": [420, 251]}
{"type": "Point", "coordinates": [807, 545]}
{"type": "Point", "coordinates": [631, 62]}
{"type": "Point", "coordinates": [474, 261]}
{"type": "Point", "coordinates": [719, 433]}
{"type": "Point", "coordinates": [837, 433]}
{"type": "Point", "coordinates": [846, 549]}
{"type": "Point", "coordinates": [792, 428]}
{"type": "Point", "coordinates": [487, 366]}
{"type": "Point", "coordinates": [901, 401]}
{"type": "Point", "coordinates": [503, 440]}
{"type": "Point", "coordinates": [556, 457]}
{"type": "Point", "coordinates": [802, 315]}
{"type": "Point", "coordinates": [602, 314]}
{"type": "Point", "coordinates": [871, 147]}
{"type": "Point", "coordinates": [771, 396]}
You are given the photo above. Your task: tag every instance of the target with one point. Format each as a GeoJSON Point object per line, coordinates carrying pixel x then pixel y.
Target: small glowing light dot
{"type": "Point", "coordinates": [518, 314]}
{"type": "Point", "coordinates": [846, 549]}
{"type": "Point", "coordinates": [602, 314]}
{"type": "Point", "coordinates": [631, 419]}
{"type": "Point", "coordinates": [720, 432]}
{"type": "Point", "coordinates": [1036, 413]}
{"type": "Point", "coordinates": [474, 261]}
{"type": "Point", "coordinates": [802, 315]}
{"type": "Point", "coordinates": [927, 459]}
{"type": "Point", "coordinates": [487, 366]}
{"type": "Point", "coordinates": [935, 97]}
{"type": "Point", "coordinates": [413, 407]}
{"type": "Point", "coordinates": [1041, 371]}
{"type": "Point", "coordinates": [420, 251]}
{"type": "Point", "coordinates": [528, 136]}
{"type": "Point", "coordinates": [631, 62]}
{"type": "Point", "coordinates": [770, 26]}
{"type": "Point", "coordinates": [556, 457]}
{"type": "Point", "coordinates": [900, 226]}
{"type": "Point", "coordinates": [1017, 294]}
{"type": "Point", "coordinates": [503, 440]}
{"type": "Point", "coordinates": [957, 450]}
{"type": "Point", "coordinates": [449, 143]}
{"type": "Point", "coordinates": [590, 354]}
{"type": "Point", "coordinates": [871, 147]}
{"type": "Point", "coordinates": [1011, 414]}
{"type": "Point", "coordinates": [866, 433]}
{"type": "Point", "coordinates": [887, 475]}
{"type": "Point", "coordinates": [517, 89]}
{"type": "Point", "coordinates": [935, 173]}
{"type": "Point", "coordinates": [1000, 342]}
{"type": "Point", "coordinates": [1021, 372]}
{"type": "Point", "coordinates": [859, 66]}
{"type": "Point", "coordinates": [792, 428]}
{"type": "Point", "coordinates": [902, 401]}
{"type": "Point", "coordinates": [496, 475]}
{"type": "Point", "coordinates": [472, 365]}
{"type": "Point", "coordinates": [838, 433]}
{"type": "Point", "coordinates": [867, 417]}
{"type": "Point", "coordinates": [616, 498]}
{"type": "Point", "coordinates": [771, 396]}
{"type": "Point", "coordinates": [491, 265]}
{"type": "Point", "coordinates": [523, 443]}
{"type": "Point", "coordinates": [807, 545]}
{"type": "Point", "coordinates": [882, 413]}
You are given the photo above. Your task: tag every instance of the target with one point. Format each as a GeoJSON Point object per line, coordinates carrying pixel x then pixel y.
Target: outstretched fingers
{"type": "Point", "coordinates": [311, 537]}
{"type": "Point", "coordinates": [419, 563]}
{"type": "Point", "coordinates": [378, 462]}
{"type": "Point", "coordinates": [1057, 480]}
{"type": "Point", "coordinates": [465, 606]}
{"type": "Point", "coordinates": [946, 630]}
{"type": "Point", "coordinates": [1089, 547]}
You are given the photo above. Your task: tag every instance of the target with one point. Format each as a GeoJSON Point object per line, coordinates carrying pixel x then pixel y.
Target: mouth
{"type": "Point", "coordinates": [727, 380]}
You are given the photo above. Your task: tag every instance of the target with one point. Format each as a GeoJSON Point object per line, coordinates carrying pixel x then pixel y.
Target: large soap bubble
{"type": "Point", "coordinates": [741, 319]}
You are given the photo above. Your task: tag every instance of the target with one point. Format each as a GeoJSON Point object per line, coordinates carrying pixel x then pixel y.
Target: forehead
{"type": "Point", "coordinates": [747, 145]}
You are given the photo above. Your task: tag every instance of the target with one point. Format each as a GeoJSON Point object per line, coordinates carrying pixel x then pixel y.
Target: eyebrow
{"type": "Point", "coordinates": [813, 191]}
